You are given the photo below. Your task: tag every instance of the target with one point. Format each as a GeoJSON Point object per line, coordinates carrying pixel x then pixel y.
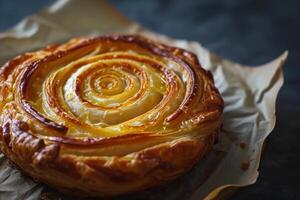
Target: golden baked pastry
{"type": "Point", "coordinates": [107, 116]}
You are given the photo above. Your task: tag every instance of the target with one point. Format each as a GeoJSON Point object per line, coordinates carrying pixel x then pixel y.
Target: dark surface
{"type": "Point", "coordinates": [250, 32]}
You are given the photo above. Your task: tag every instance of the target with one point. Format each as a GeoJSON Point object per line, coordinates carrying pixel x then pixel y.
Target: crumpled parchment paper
{"type": "Point", "coordinates": [249, 94]}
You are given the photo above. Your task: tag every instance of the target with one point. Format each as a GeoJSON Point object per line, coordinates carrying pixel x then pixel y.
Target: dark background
{"type": "Point", "coordinates": [247, 31]}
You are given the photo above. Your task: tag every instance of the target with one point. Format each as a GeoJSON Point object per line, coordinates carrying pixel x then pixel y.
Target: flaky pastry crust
{"type": "Point", "coordinates": [107, 116]}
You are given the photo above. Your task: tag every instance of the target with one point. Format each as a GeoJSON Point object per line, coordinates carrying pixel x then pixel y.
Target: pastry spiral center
{"type": "Point", "coordinates": [111, 89]}
{"type": "Point", "coordinates": [109, 94]}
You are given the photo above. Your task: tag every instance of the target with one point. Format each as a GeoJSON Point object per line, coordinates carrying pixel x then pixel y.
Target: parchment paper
{"type": "Point", "coordinates": [249, 94]}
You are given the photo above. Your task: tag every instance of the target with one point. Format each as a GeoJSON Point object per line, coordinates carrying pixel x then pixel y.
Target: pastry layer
{"type": "Point", "coordinates": [109, 115]}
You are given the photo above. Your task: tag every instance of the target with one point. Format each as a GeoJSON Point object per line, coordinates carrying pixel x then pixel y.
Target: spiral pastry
{"type": "Point", "coordinates": [107, 116]}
